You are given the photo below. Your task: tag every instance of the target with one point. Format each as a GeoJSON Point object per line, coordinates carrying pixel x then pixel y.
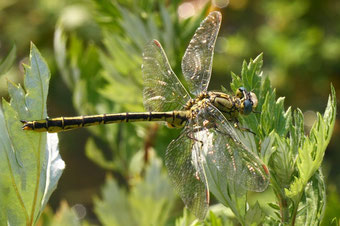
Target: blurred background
{"type": "Point", "coordinates": [93, 49]}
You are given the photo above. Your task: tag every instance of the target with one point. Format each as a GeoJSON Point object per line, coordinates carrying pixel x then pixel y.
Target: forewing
{"type": "Point", "coordinates": [162, 89]}
{"type": "Point", "coordinates": [185, 169]}
{"type": "Point", "coordinates": [226, 152]}
{"type": "Point", "coordinates": [197, 60]}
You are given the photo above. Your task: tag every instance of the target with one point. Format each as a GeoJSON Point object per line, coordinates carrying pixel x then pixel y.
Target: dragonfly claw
{"type": "Point", "coordinates": [26, 125]}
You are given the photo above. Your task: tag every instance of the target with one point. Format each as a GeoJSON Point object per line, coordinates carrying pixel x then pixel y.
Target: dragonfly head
{"type": "Point", "coordinates": [248, 100]}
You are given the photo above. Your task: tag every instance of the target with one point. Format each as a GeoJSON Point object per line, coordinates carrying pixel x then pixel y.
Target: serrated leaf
{"type": "Point", "coordinates": [30, 164]}
{"type": "Point", "coordinates": [282, 162]}
{"type": "Point", "coordinates": [148, 202]}
{"type": "Point", "coordinates": [228, 192]}
{"type": "Point", "coordinates": [7, 62]}
{"type": "Point", "coordinates": [113, 208]}
{"type": "Point", "coordinates": [168, 30]}
{"type": "Point", "coordinates": [218, 215]}
{"type": "Point", "coordinates": [297, 136]}
{"type": "Point", "coordinates": [273, 116]}
{"type": "Point", "coordinates": [253, 80]}
{"type": "Point", "coordinates": [96, 155]}
{"type": "Point", "coordinates": [311, 153]}
{"type": "Point", "coordinates": [64, 216]}
{"type": "Point", "coordinates": [254, 215]}
{"type": "Point", "coordinates": [265, 88]}
{"type": "Point", "coordinates": [59, 42]}
{"type": "Point", "coordinates": [313, 201]}
{"type": "Point", "coordinates": [134, 27]}
{"type": "Point", "coordinates": [267, 148]}
{"type": "Point", "coordinates": [251, 75]}
{"type": "Point", "coordinates": [308, 162]}
{"type": "Point", "coordinates": [152, 199]}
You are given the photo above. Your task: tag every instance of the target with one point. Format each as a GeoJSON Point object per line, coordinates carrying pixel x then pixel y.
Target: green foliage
{"type": "Point", "coordinates": [300, 42]}
{"type": "Point", "coordinates": [7, 62]}
{"type": "Point", "coordinates": [106, 77]}
{"type": "Point", "coordinates": [148, 201]}
{"type": "Point", "coordinates": [230, 193]}
{"type": "Point", "coordinates": [30, 164]}
{"type": "Point", "coordinates": [93, 72]}
{"type": "Point", "coordinates": [110, 81]}
{"type": "Point", "coordinates": [64, 216]}
{"type": "Point", "coordinates": [218, 215]}
{"type": "Point", "coordinates": [294, 158]}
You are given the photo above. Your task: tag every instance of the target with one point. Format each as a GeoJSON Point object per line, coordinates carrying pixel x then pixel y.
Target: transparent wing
{"type": "Point", "coordinates": [162, 89]}
{"type": "Point", "coordinates": [197, 60]}
{"type": "Point", "coordinates": [183, 161]}
{"type": "Point", "coordinates": [223, 150]}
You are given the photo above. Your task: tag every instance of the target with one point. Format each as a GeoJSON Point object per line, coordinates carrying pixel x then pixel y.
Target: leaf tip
{"type": "Point", "coordinates": [259, 57]}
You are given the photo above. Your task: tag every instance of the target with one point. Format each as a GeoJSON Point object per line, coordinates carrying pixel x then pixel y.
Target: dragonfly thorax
{"type": "Point", "coordinates": [243, 102]}
{"type": "Point", "coordinates": [226, 103]}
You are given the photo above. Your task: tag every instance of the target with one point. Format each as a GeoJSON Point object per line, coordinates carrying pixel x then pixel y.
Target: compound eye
{"type": "Point", "coordinates": [240, 92]}
{"type": "Point", "coordinates": [242, 89]}
{"type": "Point", "coordinates": [247, 107]}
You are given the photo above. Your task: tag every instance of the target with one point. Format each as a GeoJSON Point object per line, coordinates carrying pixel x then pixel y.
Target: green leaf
{"type": "Point", "coordinates": [282, 163]}
{"type": "Point", "coordinates": [297, 135]}
{"type": "Point", "coordinates": [313, 202]}
{"type": "Point", "coordinates": [186, 219]}
{"type": "Point", "coordinates": [64, 216]}
{"type": "Point", "coordinates": [60, 51]}
{"type": "Point", "coordinates": [218, 215]}
{"type": "Point", "coordinates": [115, 86]}
{"type": "Point", "coordinates": [311, 153]}
{"type": "Point", "coordinates": [113, 208]}
{"type": "Point", "coordinates": [273, 116]}
{"type": "Point", "coordinates": [284, 145]}
{"type": "Point", "coordinates": [309, 157]}
{"type": "Point", "coordinates": [148, 203]}
{"type": "Point", "coordinates": [267, 148]}
{"type": "Point", "coordinates": [30, 164]}
{"type": "Point", "coordinates": [251, 75]}
{"type": "Point", "coordinates": [152, 200]}
{"type": "Point", "coordinates": [96, 155]}
{"type": "Point", "coordinates": [228, 192]}
{"type": "Point", "coordinates": [7, 62]}
{"type": "Point", "coordinates": [255, 215]}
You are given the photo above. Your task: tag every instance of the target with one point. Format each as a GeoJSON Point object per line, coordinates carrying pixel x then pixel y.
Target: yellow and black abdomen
{"type": "Point", "coordinates": [54, 125]}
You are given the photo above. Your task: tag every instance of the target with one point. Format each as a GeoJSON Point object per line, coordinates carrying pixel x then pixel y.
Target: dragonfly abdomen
{"type": "Point", "coordinates": [54, 125]}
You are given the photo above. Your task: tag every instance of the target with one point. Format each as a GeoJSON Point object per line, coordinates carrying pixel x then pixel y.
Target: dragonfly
{"type": "Point", "coordinates": [207, 119]}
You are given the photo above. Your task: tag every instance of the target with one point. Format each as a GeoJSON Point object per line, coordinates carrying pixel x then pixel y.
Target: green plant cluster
{"type": "Point", "coordinates": [106, 77]}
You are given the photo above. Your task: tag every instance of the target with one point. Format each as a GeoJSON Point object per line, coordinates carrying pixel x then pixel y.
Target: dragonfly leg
{"type": "Point", "coordinates": [193, 138]}
{"type": "Point", "coordinates": [237, 125]}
